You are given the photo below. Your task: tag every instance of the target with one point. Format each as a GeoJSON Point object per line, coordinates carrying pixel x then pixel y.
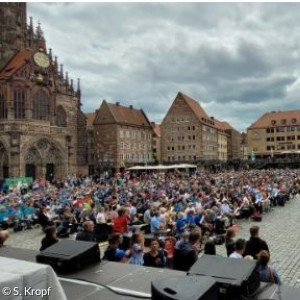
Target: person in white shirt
{"type": "Point", "coordinates": [240, 246]}
{"type": "Point", "coordinates": [100, 218]}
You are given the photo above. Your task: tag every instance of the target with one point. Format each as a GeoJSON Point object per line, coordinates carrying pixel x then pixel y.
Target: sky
{"type": "Point", "coordinates": [238, 60]}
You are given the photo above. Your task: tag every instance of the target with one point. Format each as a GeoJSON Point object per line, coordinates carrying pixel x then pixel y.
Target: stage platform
{"type": "Point", "coordinates": [124, 278]}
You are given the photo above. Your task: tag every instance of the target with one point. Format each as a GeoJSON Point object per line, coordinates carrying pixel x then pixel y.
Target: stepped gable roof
{"type": "Point", "coordinates": [15, 63]}
{"type": "Point", "coordinates": [277, 118]}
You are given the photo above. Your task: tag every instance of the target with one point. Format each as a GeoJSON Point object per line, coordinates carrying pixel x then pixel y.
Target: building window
{"type": "Point", "coordinates": [3, 109]}
{"type": "Point", "coordinates": [61, 117]}
{"type": "Point", "coordinates": [291, 138]}
{"type": "Point", "coordinates": [194, 137]}
{"type": "Point", "coordinates": [280, 129]}
{"type": "Point", "coordinates": [193, 127]}
{"type": "Point", "coordinates": [40, 106]}
{"type": "Point", "coordinates": [19, 103]}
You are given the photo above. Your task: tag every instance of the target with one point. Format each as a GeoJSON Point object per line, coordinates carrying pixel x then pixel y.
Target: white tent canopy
{"type": "Point", "coordinates": [162, 167]}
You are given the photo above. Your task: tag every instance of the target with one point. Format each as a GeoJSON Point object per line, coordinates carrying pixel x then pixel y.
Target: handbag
{"type": "Point", "coordinates": [272, 279]}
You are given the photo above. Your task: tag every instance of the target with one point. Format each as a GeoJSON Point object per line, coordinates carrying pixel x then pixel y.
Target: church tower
{"type": "Point", "coordinates": [13, 29]}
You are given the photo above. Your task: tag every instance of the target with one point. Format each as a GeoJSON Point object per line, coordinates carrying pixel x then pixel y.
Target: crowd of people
{"type": "Point", "coordinates": [153, 219]}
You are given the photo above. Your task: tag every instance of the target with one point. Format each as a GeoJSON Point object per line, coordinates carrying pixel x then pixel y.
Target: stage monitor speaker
{"type": "Point", "coordinates": [68, 255]}
{"type": "Point", "coordinates": [187, 288]}
{"type": "Point", "coordinates": [236, 278]}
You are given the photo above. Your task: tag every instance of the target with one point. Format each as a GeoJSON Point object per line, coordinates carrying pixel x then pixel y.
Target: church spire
{"type": "Point", "coordinates": [78, 92]}
{"type": "Point", "coordinates": [31, 24]}
{"type": "Point", "coordinates": [50, 54]}
{"type": "Point", "coordinates": [72, 87]}
{"type": "Point", "coordinates": [61, 70]}
{"type": "Point", "coordinates": [67, 79]}
{"type": "Point", "coordinates": [39, 32]}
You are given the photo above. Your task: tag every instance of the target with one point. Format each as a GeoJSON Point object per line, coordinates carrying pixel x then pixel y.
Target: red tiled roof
{"type": "Point", "coordinates": [15, 63]}
{"type": "Point", "coordinates": [219, 124]}
{"type": "Point", "coordinates": [90, 117]}
{"type": "Point", "coordinates": [277, 118]}
{"type": "Point", "coordinates": [156, 128]}
{"type": "Point", "coordinates": [195, 106]}
{"type": "Point", "coordinates": [227, 126]}
{"type": "Point", "coordinates": [128, 115]}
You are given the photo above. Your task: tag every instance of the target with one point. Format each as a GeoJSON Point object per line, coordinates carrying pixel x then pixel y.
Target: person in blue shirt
{"type": "Point", "coordinates": [155, 223]}
{"type": "Point", "coordinates": [266, 272]}
{"type": "Point", "coordinates": [177, 206]}
{"type": "Point", "coordinates": [3, 214]}
{"type": "Point", "coordinates": [190, 220]}
{"type": "Point", "coordinates": [180, 224]}
{"type": "Point", "coordinates": [198, 219]}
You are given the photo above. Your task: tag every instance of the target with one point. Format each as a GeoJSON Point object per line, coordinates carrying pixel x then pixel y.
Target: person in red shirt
{"type": "Point", "coordinates": [121, 221]}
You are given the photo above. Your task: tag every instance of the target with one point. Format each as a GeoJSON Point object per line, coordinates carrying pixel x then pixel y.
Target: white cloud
{"type": "Point", "coordinates": [238, 59]}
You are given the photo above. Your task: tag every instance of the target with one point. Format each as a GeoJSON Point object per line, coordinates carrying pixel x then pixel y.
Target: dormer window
{"type": "Point", "coordinates": [273, 122]}
{"type": "Point", "coordinates": [283, 121]}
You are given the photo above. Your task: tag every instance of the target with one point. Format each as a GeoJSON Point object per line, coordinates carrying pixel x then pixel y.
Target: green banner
{"type": "Point", "coordinates": [18, 180]}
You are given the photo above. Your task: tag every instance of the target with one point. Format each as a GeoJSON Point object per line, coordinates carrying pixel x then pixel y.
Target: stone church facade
{"type": "Point", "coordinates": [42, 128]}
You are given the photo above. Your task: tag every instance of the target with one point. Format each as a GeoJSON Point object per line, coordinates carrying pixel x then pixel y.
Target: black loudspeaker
{"type": "Point", "coordinates": [68, 255]}
{"type": "Point", "coordinates": [236, 278]}
{"type": "Point", "coordinates": [187, 288]}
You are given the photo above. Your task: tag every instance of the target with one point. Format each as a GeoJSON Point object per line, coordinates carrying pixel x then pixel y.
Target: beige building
{"type": "Point", "coordinates": [156, 142]}
{"type": "Point", "coordinates": [222, 140]}
{"type": "Point", "coordinates": [244, 149]}
{"type": "Point", "coordinates": [275, 134]}
{"type": "Point", "coordinates": [90, 117]}
{"type": "Point", "coordinates": [188, 134]}
{"type": "Point", "coordinates": [233, 142]}
{"type": "Point", "coordinates": [123, 136]}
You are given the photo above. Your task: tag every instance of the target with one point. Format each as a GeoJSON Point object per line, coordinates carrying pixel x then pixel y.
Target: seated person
{"type": "Point", "coordinates": [190, 220]}
{"type": "Point", "coordinates": [87, 234]}
{"type": "Point", "coordinates": [43, 219]}
{"type": "Point", "coordinates": [155, 257]}
{"type": "Point", "coordinates": [112, 252]}
{"type": "Point", "coordinates": [121, 221]}
{"type": "Point", "coordinates": [4, 235]}
{"type": "Point", "coordinates": [210, 248]}
{"type": "Point", "coordinates": [180, 224]}
{"type": "Point", "coordinates": [186, 253]}
{"type": "Point", "coordinates": [266, 273]}
{"type": "Point", "coordinates": [50, 238]}
{"type": "Point", "coordinates": [240, 246]}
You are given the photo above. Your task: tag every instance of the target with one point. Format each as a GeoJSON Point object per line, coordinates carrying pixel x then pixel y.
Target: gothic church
{"type": "Point", "coordinates": [42, 128]}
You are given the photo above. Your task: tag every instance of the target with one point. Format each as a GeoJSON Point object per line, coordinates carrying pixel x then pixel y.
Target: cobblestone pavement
{"type": "Point", "coordinates": [280, 228]}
